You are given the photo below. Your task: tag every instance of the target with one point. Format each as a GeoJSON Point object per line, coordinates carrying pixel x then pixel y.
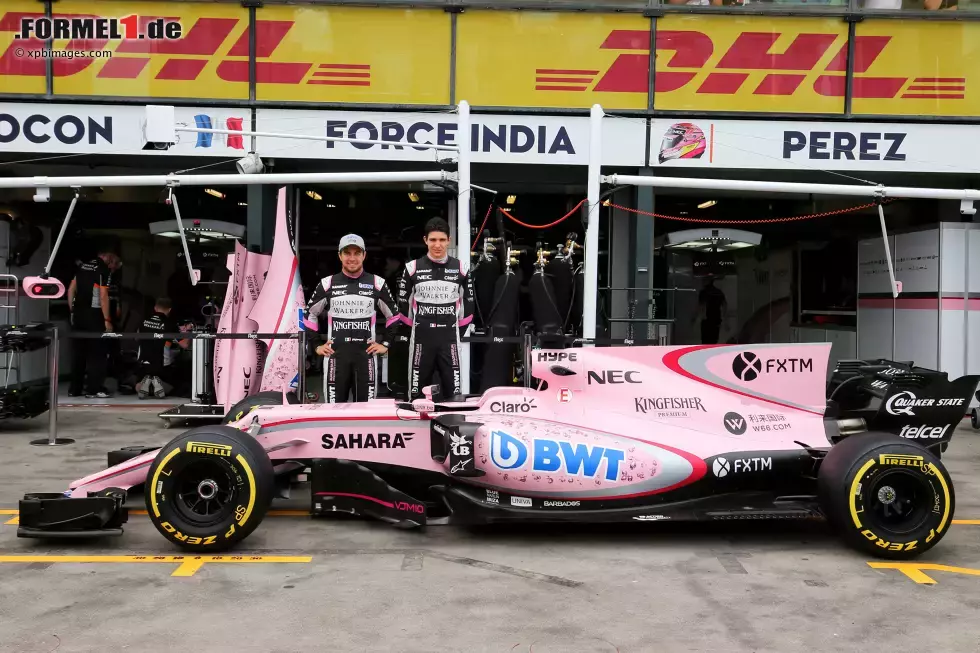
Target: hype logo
{"type": "Point", "coordinates": [579, 459]}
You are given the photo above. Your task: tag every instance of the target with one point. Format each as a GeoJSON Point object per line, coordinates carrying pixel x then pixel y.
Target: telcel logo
{"type": "Point", "coordinates": [924, 432]}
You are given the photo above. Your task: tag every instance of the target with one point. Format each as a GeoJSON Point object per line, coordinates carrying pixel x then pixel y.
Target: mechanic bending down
{"type": "Point", "coordinates": [352, 298]}
{"type": "Point", "coordinates": [88, 301]}
{"type": "Point", "coordinates": [435, 298]}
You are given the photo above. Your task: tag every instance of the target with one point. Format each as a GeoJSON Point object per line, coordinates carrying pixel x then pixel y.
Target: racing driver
{"type": "Point", "coordinates": [435, 298]}
{"type": "Point", "coordinates": [352, 299]}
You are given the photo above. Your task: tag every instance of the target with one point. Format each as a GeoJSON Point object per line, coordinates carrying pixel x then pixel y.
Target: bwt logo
{"type": "Point", "coordinates": [757, 63]}
{"type": "Point", "coordinates": [747, 366]}
{"type": "Point", "coordinates": [508, 452]}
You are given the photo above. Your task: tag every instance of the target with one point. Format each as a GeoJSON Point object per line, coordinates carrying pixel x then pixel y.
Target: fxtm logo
{"type": "Point", "coordinates": [525, 406]}
{"type": "Point", "coordinates": [747, 366]}
{"type": "Point", "coordinates": [366, 440]}
{"type": "Point", "coordinates": [751, 53]}
{"type": "Point", "coordinates": [722, 467]}
{"type": "Point", "coordinates": [185, 58]}
{"type": "Point", "coordinates": [924, 432]}
{"type": "Point", "coordinates": [508, 452]}
{"type": "Point", "coordinates": [613, 376]}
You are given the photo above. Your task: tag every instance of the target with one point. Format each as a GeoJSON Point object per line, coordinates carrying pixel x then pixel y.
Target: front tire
{"type": "Point", "coordinates": [886, 496]}
{"type": "Point", "coordinates": [209, 488]}
{"type": "Point", "coordinates": [245, 406]}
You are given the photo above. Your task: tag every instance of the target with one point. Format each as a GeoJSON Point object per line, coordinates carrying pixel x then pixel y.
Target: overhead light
{"type": "Point", "coordinates": [710, 240]}
{"type": "Point", "coordinates": [705, 205]}
{"type": "Point", "coordinates": [204, 229]}
{"type": "Point", "coordinates": [331, 206]}
{"type": "Point", "coordinates": [420, 207]}
{"type": "Point", "coordinates": [218, 194]}
{"type": "Point", "coordinates": [315, 195]}
{"type": "Point", "coordinates": [413, 196]}
{"type": "Point", "coordinates": [243, 204]}
{"type": "Point", "coordinates": [250, 164]}
{"type": "Point", "coordinates": [511, 199]}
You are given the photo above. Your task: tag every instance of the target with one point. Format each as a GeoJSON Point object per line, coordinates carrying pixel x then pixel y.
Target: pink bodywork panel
{"type": "Point", "coordinates": [627, 421]}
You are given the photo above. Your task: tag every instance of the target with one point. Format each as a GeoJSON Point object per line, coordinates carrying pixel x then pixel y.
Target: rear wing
{"type": "Point", "coordinates": [901, 398]}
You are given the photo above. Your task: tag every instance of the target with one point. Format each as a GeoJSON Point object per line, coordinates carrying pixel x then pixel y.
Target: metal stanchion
{"type": "Point", "coordinates": [53, 440]}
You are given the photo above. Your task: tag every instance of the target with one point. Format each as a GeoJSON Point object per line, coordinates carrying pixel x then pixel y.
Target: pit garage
{"type": "Point", "coordinates": [732, 584]}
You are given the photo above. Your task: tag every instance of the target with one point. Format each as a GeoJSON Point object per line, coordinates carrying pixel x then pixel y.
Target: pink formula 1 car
{"type": "Point", "coordinates": [606, 434]}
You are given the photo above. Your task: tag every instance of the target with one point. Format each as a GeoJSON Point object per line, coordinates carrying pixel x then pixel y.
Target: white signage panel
{"type": "Point", "coordinates": [511, 138]}
{"type": "Point", "coordinates": [115, 129]}
{"type": "Point", "coordinates": [781, 145]}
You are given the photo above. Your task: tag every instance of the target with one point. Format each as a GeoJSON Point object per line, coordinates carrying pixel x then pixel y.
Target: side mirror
{"type": "Point", "coordinates": [40, 288]}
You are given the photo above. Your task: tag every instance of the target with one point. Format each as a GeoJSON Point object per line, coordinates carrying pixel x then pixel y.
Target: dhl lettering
{"type": "Point", "coordinates": [186, 57]}
{"type": "Point", "coordinates": [683, 55]}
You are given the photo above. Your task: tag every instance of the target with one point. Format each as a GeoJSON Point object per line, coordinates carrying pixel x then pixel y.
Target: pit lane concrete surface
{"type": "Point", "coordinates": [346, 585]}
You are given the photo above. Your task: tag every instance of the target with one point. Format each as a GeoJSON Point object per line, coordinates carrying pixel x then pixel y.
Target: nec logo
{"type": "Point", "coordinates": [614, 376]}
{"type": "Point", "coordinates": [758, 63]}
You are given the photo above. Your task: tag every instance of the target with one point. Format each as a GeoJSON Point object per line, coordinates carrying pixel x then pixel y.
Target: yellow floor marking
{"type": "Point", "coordinates": [188, 565]}
{"type": "Point", "coordinates": [916, 570]}
{"type": "Point", "coordinates": [967, 522]}
{"type": "Point", "coordinates": [7, 511]}
{"type": "Point", "coordinates": [13, 521]}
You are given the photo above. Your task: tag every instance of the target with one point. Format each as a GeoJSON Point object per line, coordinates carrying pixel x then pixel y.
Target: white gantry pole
{"type": "Point", "coordinates": [226, 179]}
{"type": "Point", "coordinates": [590, 289]}
{"type": "Point", "coordinates": [463, 223]}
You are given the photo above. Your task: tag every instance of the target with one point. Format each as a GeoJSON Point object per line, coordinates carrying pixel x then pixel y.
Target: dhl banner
{"type": "Point", "coordinates": [809, 146]}
{"type": "Point", "coordinates": [553, 59]}
{"type": "Point", "coordinates": [394, 56]}
{"type": "Point", "coordinates": [351, 54]}
{"type": "Point", "coordinates": [116, 129]}
{"type": "Point", "coordinates": [917, 68]}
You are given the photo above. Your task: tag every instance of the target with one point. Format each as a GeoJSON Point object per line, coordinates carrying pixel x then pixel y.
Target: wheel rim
{"type": "Point", "coordinates": [898, 501]}
{"type": "Point", "coordinates": [205, 492]}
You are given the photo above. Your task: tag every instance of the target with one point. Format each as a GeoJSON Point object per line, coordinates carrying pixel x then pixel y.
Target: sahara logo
{"type": "Point", "coordinates": [686, 55]}
{"type": "Point", "coordinates": [508, 452]}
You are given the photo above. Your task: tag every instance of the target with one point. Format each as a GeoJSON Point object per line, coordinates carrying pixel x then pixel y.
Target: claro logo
{"type": "Point", "coordinates": [685, 55]}
{"type": "Point", "coordinates": [185, 58]}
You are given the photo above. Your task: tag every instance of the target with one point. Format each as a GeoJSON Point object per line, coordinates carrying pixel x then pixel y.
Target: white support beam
{"type": "Point", "coordinates": [697, 183]}
{"type": "Point", "coordinates": [590, 290]}
{"type": "Point", "coordinates": [228, 179]}
{"type": "Point", "coordinates": [464, 196]}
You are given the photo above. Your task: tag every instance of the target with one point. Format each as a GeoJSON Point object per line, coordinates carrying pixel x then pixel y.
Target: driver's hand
{"type": "Point", "coordinates": [377, 348]}
{"type": "Point", "coordinates": [325, 349]}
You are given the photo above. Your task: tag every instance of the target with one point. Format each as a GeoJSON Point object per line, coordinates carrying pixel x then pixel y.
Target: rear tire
{"type": "Point", "coordinates": [975, 419]}
{"type": "Point", "coordinates": [209, 488]}
{"type": "Point", "coordinates": [245, 406]}
{"type": "Point", "coordinates": [885, 495]}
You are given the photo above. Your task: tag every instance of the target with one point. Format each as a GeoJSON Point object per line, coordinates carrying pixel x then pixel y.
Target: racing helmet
{"type": "Point", "coordinates": [683, 140]}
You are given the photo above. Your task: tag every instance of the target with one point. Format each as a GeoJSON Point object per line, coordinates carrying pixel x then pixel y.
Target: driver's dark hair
{"type": "Point", "coordinates": [436, 224]}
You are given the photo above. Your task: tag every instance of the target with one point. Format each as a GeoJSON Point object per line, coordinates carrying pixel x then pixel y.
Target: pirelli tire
{"type": "Point", "coordinates": [243, 407]}
{"type": "Point", "coordinates": [886, 496]}
{"type": "Point", "coordinates": [209, 488]}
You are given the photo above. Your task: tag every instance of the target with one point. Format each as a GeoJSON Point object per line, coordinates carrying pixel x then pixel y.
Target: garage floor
{"type": "Point", "coordinates": [304, 585]}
